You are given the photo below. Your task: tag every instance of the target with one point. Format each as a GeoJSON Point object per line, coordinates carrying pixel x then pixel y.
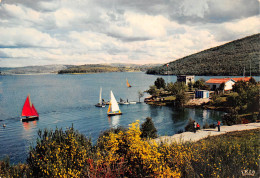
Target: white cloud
{"type": "Point", "coordinates": [26, 37]}
{"type": "Point", "coordinates": [80, 32]}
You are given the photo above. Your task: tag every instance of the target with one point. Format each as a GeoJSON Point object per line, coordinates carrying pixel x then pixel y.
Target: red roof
{"type": "Point", "coordinates": [246, 79]}
{"type": "Point", "coordinates": [221, 80]}
{"type": "Point", "coordinates": [218, 80]}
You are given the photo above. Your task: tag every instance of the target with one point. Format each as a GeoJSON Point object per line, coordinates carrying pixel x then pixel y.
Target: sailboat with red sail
{"type": "Point", "coordinates": [29, 112]}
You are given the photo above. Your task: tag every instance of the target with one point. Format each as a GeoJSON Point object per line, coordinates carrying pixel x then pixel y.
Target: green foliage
{"type": "Point", "coordinates": [231, 118]}
{"type": "Point", "coordinates": [247, 97]}
{"type": "Point", "coordinates": [7, 170]}
{"type": "Point", "coordinates": [252, 81]}
{"type": "Point", "coordinates": [226, 155]}
{"type": "Point", "coordinates": [177, 87]}
{"type": "Point", "coordinates": [160, 83]}
{"type": "Point", "coordinates": [125, 154]}
{"type": "Point", "coordinates": [190, 126]}
{"type": "Point", "coordinates": [153, 90]}
{"type": "Point", "coordinates": [228, 59]}
{"type": "Point", "coordinates": [59, 153]}
{"type": "Point", "coordinates": [200, 84]}
{"type": "Point", "coordinates": [181, 99]}
{"type": "Point", "coordinates": [93, 68]}
{"type": "Point", "coordinates": [148, 129]}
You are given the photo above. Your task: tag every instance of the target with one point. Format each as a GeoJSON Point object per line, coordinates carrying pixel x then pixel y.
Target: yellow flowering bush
{"type": "Point", "coordinates": [141, 158]}
{"type": "Point", "coordinates": [123, 153]}
{"type": "Point", "coordinates": [60, 154]}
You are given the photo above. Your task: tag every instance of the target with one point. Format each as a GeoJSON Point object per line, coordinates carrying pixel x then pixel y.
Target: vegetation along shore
{"type": "Point", "coordinates": [130, 153]}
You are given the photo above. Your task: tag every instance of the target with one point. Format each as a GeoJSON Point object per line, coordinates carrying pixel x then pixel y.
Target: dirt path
{"type": "Point", "coordinates": [190, 136]}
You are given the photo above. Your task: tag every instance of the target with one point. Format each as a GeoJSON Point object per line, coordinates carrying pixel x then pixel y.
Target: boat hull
{"type": "Point", "coordinates": [100, 105]}
{"type": "Point", "coordinates": [114, 113]}
{"type": "Point", "coordinates": [31, 118]}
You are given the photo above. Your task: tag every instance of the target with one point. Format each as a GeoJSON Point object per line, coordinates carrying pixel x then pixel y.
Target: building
{"type": "Point", "coordinates": [214, 83]}
{"type": "Point", "coordinates": [185, 78]}
{"type": "Point", "coordinates": [202, 94]}
{"type": "Point", "coordinates": [246, 79]}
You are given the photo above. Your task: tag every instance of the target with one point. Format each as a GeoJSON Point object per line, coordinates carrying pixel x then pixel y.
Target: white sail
{"type": "Point", "coordinates": [100, 97]}
{"type": "Point", "coordinates": [114, 105]}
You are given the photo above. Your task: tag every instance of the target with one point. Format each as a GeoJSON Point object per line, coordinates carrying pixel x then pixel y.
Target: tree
{"type": "Point", "coordinates": [160, 83]}
{"type": "Point", "coordinates": [181, 99]}
{"type": "Point", "coordinates": [200, 84]}
{"type": "Point", "coordinates": [252, 81]}
{"type": "Point", "coordinates": [153, 90]}
{"type": "Point", "coordinates": [222, 87]}
{"type": "Point", "coordinates": [148, 129]}
{"type": "Point", "coordinates": [140, 95]}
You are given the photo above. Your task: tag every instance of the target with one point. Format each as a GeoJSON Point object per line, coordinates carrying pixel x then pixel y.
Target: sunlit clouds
{"type": "Point", "coordinates": [141, 32]}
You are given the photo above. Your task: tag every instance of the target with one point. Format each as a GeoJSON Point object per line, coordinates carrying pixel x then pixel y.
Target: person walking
{"type": "Point", "coordinates": [195, 126]}
{"type": "Point", "coordinates": [219, 126]}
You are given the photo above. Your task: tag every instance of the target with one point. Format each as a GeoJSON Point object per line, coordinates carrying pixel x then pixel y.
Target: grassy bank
{"type": "Point", "coordinates": [123, 153]}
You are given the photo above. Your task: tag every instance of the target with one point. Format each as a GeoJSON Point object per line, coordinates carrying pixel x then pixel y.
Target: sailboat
{"type": "Point", "coordinates": [113, 108]}
{"type": "Point", "coordinates": [127, 84]}
{"type": "Point", "coordinates": [29, 112]}
{"type": "Point", "coordinates": [101, 103]}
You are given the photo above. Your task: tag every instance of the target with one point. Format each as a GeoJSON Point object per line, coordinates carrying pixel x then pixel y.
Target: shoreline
{"type": "Point", "coordinates": [204, 133]}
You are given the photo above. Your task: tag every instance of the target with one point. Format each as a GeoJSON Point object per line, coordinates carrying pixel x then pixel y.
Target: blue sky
{"type": "Point", "coordinates": [46, 32]}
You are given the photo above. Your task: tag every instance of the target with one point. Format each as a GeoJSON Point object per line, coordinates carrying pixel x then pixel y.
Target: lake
{"type": "Point", "coordinates": [63, 100]}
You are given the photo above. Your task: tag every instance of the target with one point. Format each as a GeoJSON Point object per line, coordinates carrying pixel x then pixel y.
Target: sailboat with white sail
{"type": "Point", "coordinates": [113, 108]}
{"type": "Point", "coordinates": [101, 103]}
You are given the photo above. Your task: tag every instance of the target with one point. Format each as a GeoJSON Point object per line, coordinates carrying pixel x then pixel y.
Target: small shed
{"type": "Point", "coordinates": [202, 94]}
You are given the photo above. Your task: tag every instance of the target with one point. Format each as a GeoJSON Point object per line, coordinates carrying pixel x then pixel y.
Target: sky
{"type": "Point", "coordinates": [80, 32]}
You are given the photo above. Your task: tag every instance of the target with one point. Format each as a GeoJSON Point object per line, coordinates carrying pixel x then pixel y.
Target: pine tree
{"type": "Point", "coordinates": [148, 129]}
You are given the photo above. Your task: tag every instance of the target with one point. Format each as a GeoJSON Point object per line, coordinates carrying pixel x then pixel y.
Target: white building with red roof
{"type": "Point", "coordinates": [214, 83]}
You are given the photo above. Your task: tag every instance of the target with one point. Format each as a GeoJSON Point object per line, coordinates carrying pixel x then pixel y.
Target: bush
{"type": "Point", "coordinates": [230, 118]}
{"type": "Point", "coordinates": [160, 83]}
{"type": "Point", "coordinates": [148, 129]}
{"type": "Point", "coordinates": [60, 154]}
{"type": "Point", "coordinates": [190, 126]}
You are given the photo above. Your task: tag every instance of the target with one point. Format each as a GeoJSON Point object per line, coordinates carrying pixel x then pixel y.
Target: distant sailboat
{"type": "Point", "coordinates": [101, 103]}
{"type": "Point", "coordinates": [127, 84]}
{"type": "Point", "coordinates": [113, 108]}
{"type": "Point", "coordinates": [29, 112]}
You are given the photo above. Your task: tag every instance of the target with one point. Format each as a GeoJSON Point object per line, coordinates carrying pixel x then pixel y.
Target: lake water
{"type": "Point", "coordinates": [63, 100]}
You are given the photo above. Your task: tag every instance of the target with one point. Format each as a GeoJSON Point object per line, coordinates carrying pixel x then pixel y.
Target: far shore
{"type": "Point", "coordinates": [204, 133]}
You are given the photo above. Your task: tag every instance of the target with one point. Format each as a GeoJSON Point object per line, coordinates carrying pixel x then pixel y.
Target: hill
{"type": "Point", "coordinates": [99, 68]}
{"type": "Point", "coordinates": [228, 59]}
{"type": "Point", "coordinates": [33, 69]}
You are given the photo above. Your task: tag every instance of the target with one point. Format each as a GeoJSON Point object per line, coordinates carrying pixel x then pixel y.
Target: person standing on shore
{"type": "Point", "coordinates": [195, 126]}
{"type": "Point", "coordinates": [219, 126]}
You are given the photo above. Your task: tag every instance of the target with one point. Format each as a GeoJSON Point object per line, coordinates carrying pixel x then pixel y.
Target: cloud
{"type": "Point", "coordinates": [104, 31]}
{"type": "Point", "coordinates": [20, 37]}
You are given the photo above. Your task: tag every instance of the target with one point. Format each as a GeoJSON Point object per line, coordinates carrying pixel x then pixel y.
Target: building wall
{"type": "Point", "coordinates": [185, 78]}
{"type": "Point", "coordinates": [228, 85]}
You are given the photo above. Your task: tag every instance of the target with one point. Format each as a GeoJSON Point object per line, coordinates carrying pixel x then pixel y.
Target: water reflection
{"type": "Point", "coordinates": [28, 125]}
{"type": "Point", "coordinates": [114, 121]}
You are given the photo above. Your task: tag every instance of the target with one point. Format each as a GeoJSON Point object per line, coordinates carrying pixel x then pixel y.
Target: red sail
{"type": "Point", "coordinates": [28, 108]}
{"type": "Point", "coordinates": [34, 111]}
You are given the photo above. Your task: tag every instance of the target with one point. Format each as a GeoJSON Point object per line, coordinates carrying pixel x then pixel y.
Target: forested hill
{"type": "Point", "coordinates": [228, 59]}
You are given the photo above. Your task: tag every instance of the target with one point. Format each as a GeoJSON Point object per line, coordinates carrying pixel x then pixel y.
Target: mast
{"type": "Point", "coordinates": [244, 74]}
{"type": "Point", "coordinates": [100, 97]}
